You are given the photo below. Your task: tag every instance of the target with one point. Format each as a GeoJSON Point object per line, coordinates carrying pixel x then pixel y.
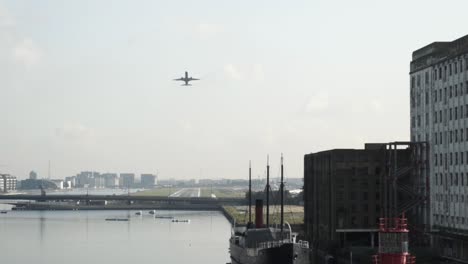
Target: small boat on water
{"type": "Point", "coordinates": [116, 219]}
{"type": "Point", "coordinates": [181, 220]}
{"type": "Point", "coordinates": [3, 212]}
{"type": "Point", "coordinates": [152, 212]}
{"type": "Point", "coordinates": [139, 213]}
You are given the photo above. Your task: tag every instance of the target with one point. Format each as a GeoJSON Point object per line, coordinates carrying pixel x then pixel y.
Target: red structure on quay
{"type": "Point", "coordinates": [393, 242]}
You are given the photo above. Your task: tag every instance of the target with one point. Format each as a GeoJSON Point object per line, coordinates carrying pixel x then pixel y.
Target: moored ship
{"type": "Point", "coordinates": [263, 244]}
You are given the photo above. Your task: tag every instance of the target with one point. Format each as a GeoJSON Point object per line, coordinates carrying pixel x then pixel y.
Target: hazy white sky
{"type": "Point", "coordinates": [87, 84]}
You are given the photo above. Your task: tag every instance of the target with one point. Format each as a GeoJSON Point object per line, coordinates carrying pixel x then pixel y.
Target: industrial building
{"type": "Point", "coordinates": [439, 115]}
{"type": "Point", "coordinates": [344, 194]}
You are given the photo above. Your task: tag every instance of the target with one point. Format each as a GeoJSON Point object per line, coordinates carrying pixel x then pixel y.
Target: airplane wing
{"type": "Point", "coordinates": [193, 79]}
{"type": "Point", "coordinates": [180, 79]}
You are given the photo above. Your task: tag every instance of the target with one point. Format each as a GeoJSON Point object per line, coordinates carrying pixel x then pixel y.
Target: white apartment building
{"type": "Point", "coordinates": [7, 183]}
{"type": "Point", "coordinates": [439, 115]}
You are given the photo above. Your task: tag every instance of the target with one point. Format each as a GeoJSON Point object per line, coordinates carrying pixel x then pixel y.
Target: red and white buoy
{"type": "Point", "coordinates": [393, 242]}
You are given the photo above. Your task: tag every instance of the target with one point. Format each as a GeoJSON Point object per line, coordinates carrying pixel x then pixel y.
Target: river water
{"type": "Point", "coordinates": [57, 237]}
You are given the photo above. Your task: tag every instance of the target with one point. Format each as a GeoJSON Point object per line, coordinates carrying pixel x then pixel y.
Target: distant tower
{"type": "Point", "coordinates": [33, 175]}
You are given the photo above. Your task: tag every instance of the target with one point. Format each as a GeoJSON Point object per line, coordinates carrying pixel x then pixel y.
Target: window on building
{"type": "Point", "coordinates": [418, 80]}
{"type": "Point", "coordinates": [450, 114]}
{"type": "Point", "coordinates": [365, 208]}
{"type": "Point", "coordinates": [455, 180]}
{"type": "Point", "coordinates": [461, 111]}
{"type": "Point", "coordinates": [462, 179]}
{"type": "Point", "coordinates": [450, 137]}
{"type": "Point", "coordinates": [419, 121]}
{"type": "Point", "coordinates": [456, 135]}
{"type": "Point", "coordinates": [440, 73]}
{"type": "Point", "coordinates": [427, 97]}
{"type": "Point", "coordinates": [435, 160]}
{"type": "Point", "coordinates": [456, 90]}
{"type": "Point", "coordinates": [450, 69]}
{"type": "Point", "coordinates": [451, 158]}
{"type": "Point", "coordinates": [456, 113]}
{"type": "Point", "coordinates": [445, 73]}
{"type": "Point", "coordinates": [455, 68]}
{"type": "Point", "coordinates": [440, 116]}
{"type": "Point", "coordinates": [427, 120]}
{"type": "Point", "coordinates": [451, 179]}
{"type": "Point", "coordinates": [456, 158]}
{"type": "Point", "coordinates": [426, 79]}
{"type": "Point", "coordinates": [462, 160]}
{"type": "Point", "coordinates": [435, 117]}
{"type": "Point", "coordinates": [450, 92]}
{"type": "Point", "coordinates": [412, 82]}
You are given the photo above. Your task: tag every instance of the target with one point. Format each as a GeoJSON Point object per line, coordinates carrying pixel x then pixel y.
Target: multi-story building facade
{"type": "Point", "coordinates": [439, 115]}
{"type": "Point", "coordinates": [343, 191]}
{"type": "Point", "coordinates": [111, 180]}
{"type": "Point", "coordinates": [148, 180]}
{"type": "Point", "coordinates": [127, 180]}
{"type": "Point", "coordinates": [71, 181]}
{"type": "Point", "coordinates": [7, 183]}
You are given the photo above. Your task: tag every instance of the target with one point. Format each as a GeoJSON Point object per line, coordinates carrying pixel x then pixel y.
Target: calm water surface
{"type": "Point", "coordinates": [80, 237]}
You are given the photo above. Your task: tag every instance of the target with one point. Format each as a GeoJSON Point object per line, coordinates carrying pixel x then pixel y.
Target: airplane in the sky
{"type": "Point", "coordinates": [186, 79]}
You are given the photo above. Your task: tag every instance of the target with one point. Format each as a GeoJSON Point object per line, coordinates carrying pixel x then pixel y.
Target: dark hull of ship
{"type": "Point", "coordinates": [288, 253]}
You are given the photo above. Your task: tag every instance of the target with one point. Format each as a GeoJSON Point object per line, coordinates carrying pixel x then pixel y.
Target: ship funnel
{"type": "Point", "coordinates": [258, 213]}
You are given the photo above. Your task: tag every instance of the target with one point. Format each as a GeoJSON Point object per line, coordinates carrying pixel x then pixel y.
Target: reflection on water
{"type": "Point", "coordinates": [85, 237]}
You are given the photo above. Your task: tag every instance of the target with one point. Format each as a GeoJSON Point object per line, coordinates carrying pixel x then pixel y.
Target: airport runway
{"type": "Point", "coordinates": [186, 192]}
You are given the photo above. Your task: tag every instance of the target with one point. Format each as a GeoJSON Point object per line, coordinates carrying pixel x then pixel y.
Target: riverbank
{"type": "Point", "coordinates": [53, 206]}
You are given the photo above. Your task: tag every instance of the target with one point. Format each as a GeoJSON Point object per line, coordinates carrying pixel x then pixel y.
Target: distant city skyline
{"type": "Point", "coordinates": [87, 84]}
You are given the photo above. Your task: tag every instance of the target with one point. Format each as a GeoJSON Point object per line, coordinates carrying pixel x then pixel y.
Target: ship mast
{"type": "Point", "coordinates": [250, 193]}
{"type": "Point", "coordinates": [282, 197]}
{"type": "Point", "coordinates": [268, 193]}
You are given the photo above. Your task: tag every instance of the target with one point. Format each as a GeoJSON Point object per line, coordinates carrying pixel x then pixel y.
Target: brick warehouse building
{"type": "Point", "coordinates": [343, 191]}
